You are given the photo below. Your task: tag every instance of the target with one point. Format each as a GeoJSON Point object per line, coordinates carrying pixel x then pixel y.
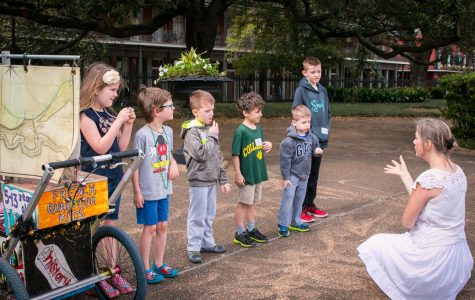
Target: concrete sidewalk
{"type": "Point", "coordinates": [320, 264]}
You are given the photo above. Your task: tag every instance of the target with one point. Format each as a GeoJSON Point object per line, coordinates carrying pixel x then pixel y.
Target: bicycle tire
{"type": "Point", "coordinates": [128, 259]}
{"type": "Point", "coordinates": [13, 280]}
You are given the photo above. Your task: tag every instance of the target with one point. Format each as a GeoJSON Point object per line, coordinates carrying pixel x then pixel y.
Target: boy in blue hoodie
{"type": "Point", "coordinates": [314, 96]}
{"type": "Point", "coordinates": [296, 153]}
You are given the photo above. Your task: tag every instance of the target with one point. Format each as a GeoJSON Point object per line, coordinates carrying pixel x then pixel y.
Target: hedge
{"type": "Point", "coordinates": [460, 95]}
{"type": "Point", "coordinates": [383, 95]}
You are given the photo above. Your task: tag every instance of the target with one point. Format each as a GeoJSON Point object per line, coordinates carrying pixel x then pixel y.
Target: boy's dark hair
{"type": "Point", "coordinates": [310, 61]}
{"type": "Point", "coordinates": [250, 101]}
{"type": "Point", "coordinates": [150, 98]}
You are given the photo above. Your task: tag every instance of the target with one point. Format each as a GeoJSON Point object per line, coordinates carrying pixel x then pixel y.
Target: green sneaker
{"type": "Point", "coordinates": [257, 236]}
{"type": "Point", "coordinates": [301, 227]}
{"type": "Point", "coordinates": [243, 240]}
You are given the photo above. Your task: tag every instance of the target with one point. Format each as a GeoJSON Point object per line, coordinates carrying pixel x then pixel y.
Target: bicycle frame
{"type": "Point", "coordinates": [49, 168]}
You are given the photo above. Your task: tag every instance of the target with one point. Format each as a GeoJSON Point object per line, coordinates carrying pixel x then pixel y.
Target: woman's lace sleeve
{"type": "Point", "coordinates": [429, 180]}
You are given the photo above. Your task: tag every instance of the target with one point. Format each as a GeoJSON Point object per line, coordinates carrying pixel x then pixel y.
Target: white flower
{"type": "Point", "coordinates": [160, 74]}
{"type": "Point", "coordinates": [111, 77]}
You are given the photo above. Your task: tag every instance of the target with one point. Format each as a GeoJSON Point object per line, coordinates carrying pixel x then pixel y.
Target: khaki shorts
{"type": "Point", "coordinates": [250, 194]}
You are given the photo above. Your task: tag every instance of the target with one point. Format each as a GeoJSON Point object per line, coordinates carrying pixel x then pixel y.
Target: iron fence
{"type": "Point", "coordinates": [272, 89]}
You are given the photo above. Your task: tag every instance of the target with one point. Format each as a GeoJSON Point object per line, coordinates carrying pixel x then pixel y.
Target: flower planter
{"type": "Point", "coordinates": [182, 87]}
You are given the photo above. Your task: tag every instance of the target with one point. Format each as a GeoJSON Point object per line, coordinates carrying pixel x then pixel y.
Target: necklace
{"type": "Point", "coordinates": [103, 122]}
{"type": "Point", "coordinates": [160, 151]}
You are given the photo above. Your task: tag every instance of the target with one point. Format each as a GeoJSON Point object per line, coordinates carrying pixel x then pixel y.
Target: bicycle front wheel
{"type": "Point", "coordinates": [114, 249]}
{"type": "Point", "coordinates": [11, 283]}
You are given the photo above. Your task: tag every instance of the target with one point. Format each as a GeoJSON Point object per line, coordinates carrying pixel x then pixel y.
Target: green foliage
{"type": "Point", "coordinates": [437, 92]}
{"type": "Point", "coordinates": [268, 38]}
{"type": "Point", "coordinates": [429, 108]}
{"type": "Point", "coordinates": [22, 36]}
{"type": "Point", "coordinates": [190, 64]}
{"type": "Point", "coordinates": [460, 103]}
{"type": "Point", "coordinates": [385, 95]}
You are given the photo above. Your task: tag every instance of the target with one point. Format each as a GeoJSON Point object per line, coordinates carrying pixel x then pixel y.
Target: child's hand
{"type": "Point", "coordinates": [286, 183]}
{"type": "Point", "coordinates": [266, 146]}
{"type": "Point", "coordinates": [214, 128]}
{"type": "Point", "coordinates": [239, 180]}
{"type": "Point", "coordinates": [318, 151]}
{"type": "Point", "coordinates": [132, 116]}
{"type": "Point", "coordinates": [226, 188]}
{"type": "Point", "coordinates": [125, 115]}
{"type": "Point", "coordinates": [173, 171]}
{"type": "Point", "coordinates": [138, 200]}
{"type": "Point", "coordinates": [396, 169]}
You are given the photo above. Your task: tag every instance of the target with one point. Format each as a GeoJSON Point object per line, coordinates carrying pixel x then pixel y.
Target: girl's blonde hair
{"type": "Point", "coordinates": [438, 133]}
{"type": "Point", "coordinates": [150, 98]}
{"type": "Point", "coordinates": [93, 81]}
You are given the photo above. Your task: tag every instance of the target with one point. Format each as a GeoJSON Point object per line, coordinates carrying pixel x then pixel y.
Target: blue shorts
{"type": "Point", "coordinates": [111, 186]}
{"type": "Point", "coordinates": [153, 211]}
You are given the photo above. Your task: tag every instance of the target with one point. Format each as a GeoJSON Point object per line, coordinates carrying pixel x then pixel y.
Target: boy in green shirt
{"type": "Point", "coordinates": [250, 168]}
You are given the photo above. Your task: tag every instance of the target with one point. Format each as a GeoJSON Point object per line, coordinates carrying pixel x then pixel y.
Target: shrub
{"type": "Point", "coordinates": [437, 92]}
{"type": "Point", "coordinates": [383, 95]}
{"type": "Point", "coordinates": [460, 103]}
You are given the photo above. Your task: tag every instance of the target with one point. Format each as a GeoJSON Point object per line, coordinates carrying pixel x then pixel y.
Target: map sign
{"type": "Point", "coordinates": [39, 118]}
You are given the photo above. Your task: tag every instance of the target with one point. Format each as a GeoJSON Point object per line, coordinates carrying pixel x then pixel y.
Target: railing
{"type": "Point", "coordinates": [273, 89]}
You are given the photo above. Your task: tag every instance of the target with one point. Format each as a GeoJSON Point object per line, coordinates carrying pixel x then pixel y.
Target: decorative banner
{"type": "Point", "coordinates": [39, 118]}
{"type": "Point", "coordinates": [62, 257]}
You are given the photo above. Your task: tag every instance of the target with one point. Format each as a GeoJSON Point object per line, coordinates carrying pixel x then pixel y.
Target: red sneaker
{"type": "Point", "coordinates": [317, 213]}
{"type": "Point", "coordinates": [306, 218]}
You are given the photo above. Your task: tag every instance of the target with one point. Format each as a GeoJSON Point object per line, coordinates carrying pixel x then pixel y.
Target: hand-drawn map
{"type": "Point", "coordinates": [39, 118]}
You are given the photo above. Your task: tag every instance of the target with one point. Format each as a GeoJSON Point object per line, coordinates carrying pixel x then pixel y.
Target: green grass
{"type": "Point", "coordinates": [430, 108]}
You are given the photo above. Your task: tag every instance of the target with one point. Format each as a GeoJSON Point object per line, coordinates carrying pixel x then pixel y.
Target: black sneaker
{"type": "Point", "coordinates": [195, 257]}
{"type": "Point", "coordinates": [257, 236]}
{"type": "Point", "coordinates": [243, 240]}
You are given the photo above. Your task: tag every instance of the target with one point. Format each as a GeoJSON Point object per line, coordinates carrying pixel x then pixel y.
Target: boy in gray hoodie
{"type": "Point", "coordinates": [296, 152]}
{"type": "Point", "coordinates": [204, 171]}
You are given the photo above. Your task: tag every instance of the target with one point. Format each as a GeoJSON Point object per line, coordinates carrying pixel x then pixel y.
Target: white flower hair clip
{"type": "Point", "coordinates": [111, 77]}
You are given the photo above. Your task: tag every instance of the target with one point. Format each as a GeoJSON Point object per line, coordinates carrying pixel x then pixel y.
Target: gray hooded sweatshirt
{"type": "Point", "coordinates": [203, 155]}
{"type": "Point", "coordinates": [317, 101]}
{"type": "Point", "coordinates": [296, 154]}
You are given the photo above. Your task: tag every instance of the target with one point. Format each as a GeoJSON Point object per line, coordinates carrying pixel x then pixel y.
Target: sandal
{"type": "Point", "coordinates": [108, 290]}
{"type": "Point", "coordinates": [122, 285]}
{"type": "Point", "coordinates": [166, 271]}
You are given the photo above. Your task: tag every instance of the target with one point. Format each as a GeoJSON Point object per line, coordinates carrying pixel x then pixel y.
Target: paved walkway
{"type": "Point", "coordinates": [320, 264]}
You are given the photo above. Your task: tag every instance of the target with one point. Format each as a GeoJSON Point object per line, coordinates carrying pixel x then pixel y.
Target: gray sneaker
{"type": "Point", "coordinates": [195, 257]}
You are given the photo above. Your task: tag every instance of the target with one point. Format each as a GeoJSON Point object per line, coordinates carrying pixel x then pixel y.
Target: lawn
{"type": "Point", "coordinates": [430, 108]}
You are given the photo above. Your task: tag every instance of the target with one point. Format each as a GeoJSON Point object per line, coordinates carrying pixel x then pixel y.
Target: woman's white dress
{"type": "Point", "coordinates": [432, 260]}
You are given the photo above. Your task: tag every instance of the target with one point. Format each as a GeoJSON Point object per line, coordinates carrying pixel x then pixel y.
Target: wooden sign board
{"type": "Point", "coordinates": [59, 204]}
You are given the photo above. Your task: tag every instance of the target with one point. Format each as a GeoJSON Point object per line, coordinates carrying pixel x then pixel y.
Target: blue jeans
{"type": "Point", "coordinates": [291, 206]}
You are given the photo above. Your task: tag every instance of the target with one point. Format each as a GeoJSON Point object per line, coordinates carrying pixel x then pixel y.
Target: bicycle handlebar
{"type": "Point", "coordinates": [90, 160]}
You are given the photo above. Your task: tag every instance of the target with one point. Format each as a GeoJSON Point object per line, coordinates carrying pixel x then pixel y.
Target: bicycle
{"type": "Point", "coordinates": [95, 252]}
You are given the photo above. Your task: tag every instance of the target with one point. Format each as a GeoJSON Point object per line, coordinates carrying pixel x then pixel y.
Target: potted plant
{"type": "Point", "coordinates": [189, 73]}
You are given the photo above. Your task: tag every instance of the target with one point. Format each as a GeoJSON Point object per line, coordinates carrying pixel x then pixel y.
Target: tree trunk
{"type": "Point", "coordinates": [202, 24]}
{"type": "Point", "coordinates": [419, 70]}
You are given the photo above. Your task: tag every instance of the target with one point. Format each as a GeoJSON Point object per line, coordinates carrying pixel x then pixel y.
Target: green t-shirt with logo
{"type": "Point", "coordinates": [247, 144]}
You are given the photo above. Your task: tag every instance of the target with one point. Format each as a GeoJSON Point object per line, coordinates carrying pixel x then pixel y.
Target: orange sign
{"type": "Point", "coordinates": [58, 204]}
{"type": "Point", "coordinates": [61, 206]}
